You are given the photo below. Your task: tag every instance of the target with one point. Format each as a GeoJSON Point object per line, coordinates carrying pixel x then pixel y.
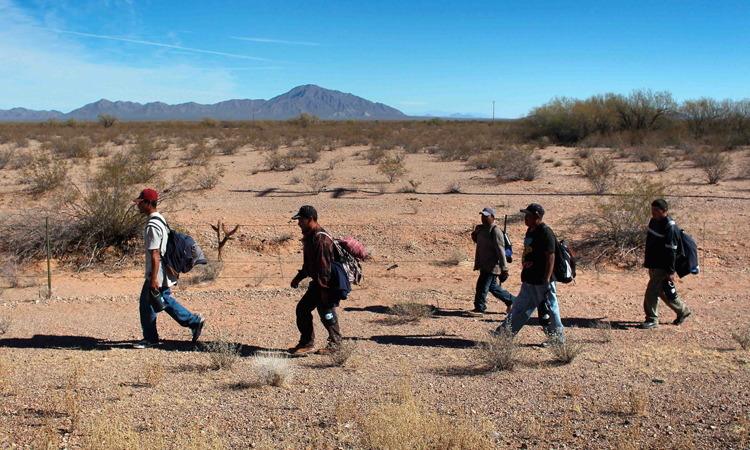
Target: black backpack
{"type": "Point", "coordinates": [182, 253]}
{"type": "Point", "coordinates": [565, 263]}
{"type": "Point", "coordinates": [686, 260]}
{"type": "Point", "coordinates": [508, 245]}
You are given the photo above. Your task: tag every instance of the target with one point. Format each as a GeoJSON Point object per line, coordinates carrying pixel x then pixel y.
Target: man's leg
{"type": "Point", "coordinates": [555, 327]}
{"type": "Point", "coordinates": [148, 316]}
{"type": "Point", "coordinates": [331, 321]}
{"type": "Point", "coordinates": [178, 312]}
{"type": "Point", "coordinates": [305, 307]}
{"type": "Point", "coordinates": [668, 294]}
{"type": "Point", "coordinates": [483, 286]}
{"type": "Point", "coordinates": [651, 297]}
{"type": "Point", "coordinates": [497, 290]}
{"type": "Point", "coordinates": [523, 306]}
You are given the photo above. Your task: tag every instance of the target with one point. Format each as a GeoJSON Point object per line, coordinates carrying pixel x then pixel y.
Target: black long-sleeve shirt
{"type": "Point", "coordinates": [661, 244]}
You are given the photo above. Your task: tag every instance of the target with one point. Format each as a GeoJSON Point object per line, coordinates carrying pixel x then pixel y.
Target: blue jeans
{"type": "Point", "coordinates": [529, 299]}
{"type": "Point", "coordinates": [487, 282]}
{"type": "Point", "coordinates": [174, 309]}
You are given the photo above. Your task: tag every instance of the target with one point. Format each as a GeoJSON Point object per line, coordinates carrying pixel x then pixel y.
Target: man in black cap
{"type": "Point", "coordinates": [490, 261]}
{"type": "Point", "coordinates": [661, 250]}
{"type": "Point", "coordinates": [537, 277]}
{"type": "Point", "coordinates": [318, 257]}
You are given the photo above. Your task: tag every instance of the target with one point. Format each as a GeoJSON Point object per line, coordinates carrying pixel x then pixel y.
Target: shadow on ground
{"type": "Point", "coordinates": [422, 340]}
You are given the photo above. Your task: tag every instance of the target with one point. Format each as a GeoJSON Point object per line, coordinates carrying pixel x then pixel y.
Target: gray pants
{"type": "Point", "coordinates": [654, 291]}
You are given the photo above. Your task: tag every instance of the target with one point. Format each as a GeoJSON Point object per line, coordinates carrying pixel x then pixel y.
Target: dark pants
{"type": "Point", "coordinates": [487, 282]}
{"type": "Point", "coordinates": [309, 302]}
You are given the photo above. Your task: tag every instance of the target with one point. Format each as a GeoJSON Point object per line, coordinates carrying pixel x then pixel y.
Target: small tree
{"type": "Point", "coordinates": [108, 119]}
{"type": "Point", "coordinates": [392, 169]}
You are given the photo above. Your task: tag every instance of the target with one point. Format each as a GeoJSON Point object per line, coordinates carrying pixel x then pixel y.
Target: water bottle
{"type": "Point", "coordinates": [156, 300]}
{"type": "Point", "coordinates": [670, 291]}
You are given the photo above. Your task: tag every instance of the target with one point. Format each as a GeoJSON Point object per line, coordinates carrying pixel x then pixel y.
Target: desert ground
{"type": "Point", "coordinates": [69, 377]}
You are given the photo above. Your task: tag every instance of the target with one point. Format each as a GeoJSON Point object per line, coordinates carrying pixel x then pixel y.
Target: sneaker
{"type": "Point", "coordinates": [508, 308]}
{"type": "Point", "coordinates": [198, 329]}
{"type": "Point", "coordinates": [145, 344]}
{"type": "Point", "coordinates": [475, 313]}
{"type": "Point", "coordinates": [649, 324]}
{"type": "Point", "coordinates": [301, 351]}
{"type": "Point", "coordinates": [329, 349]}
{"type": "Point", "coordinates": [678, 321]}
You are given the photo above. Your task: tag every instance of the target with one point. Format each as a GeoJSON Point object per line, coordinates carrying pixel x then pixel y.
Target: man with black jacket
{"type": "Point", "coordinates": [662, 242]}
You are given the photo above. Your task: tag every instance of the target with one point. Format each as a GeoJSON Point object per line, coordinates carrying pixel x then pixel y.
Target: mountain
{"type": "Point", "coordinates": [447, 115]}
{"type": "Point", "coordinates": [324, 103]}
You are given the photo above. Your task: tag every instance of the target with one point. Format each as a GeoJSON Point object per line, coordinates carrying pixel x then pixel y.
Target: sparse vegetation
{"type": "Point", "coordinates": [392, 169]}
{"type": "Point", "coordinates": [273, 370]}
{"type": "Point", "coordinates": [221, 351]}
{"type": "Point", "coordinates": [500, 351]}
{"type": "Point", "coordinates": [601, 173]}
{"type": "Point", "coordinates": [565, 349]}
{"type": "Point", "coordinates": [604, 328]}
{"type": "Point", "coordinates": [45, 175]}
{"type": "Point", "coordinates": [107, 120]}
{"type": "Point", "coordinates": [410, 312]}
{"type": "Point", "coordinates": [742, 337]}
{"type": "Point", "coordinates": [714, 164]}
{"type": "Point", "coordinates": [5, 322]}
{"type": "Point", "coordinates": [342, 352]}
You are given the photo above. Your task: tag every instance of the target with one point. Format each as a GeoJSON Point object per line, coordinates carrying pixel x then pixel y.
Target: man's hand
{"type": "Point", "coordinates": [154, 284]}
{"type": "Point", "coordinates": [295, 283]}
{"type": "Point", "coordinates": [546, 287]}
{"type": "Point", "coordinates": [503, 276]}
{"type": "Point", "coordinates": [671, 277]}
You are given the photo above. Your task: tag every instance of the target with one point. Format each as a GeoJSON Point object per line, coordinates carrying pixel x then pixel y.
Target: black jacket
{"type": "Point", "coordinates": [661, 244]}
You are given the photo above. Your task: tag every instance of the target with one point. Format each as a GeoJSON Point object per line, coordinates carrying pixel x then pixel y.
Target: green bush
{"type": "Point", "coordinates": [107, 120]}
{"type": "Point", "coordinates": [392, 169]}
{"type": "Point", "coordinates": [45, 175]}
{"type": "Point", "coordinates": [516, 164]}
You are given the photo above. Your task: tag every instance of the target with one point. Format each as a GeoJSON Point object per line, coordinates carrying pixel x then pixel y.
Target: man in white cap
{"type": "Point", "coordinates": [490, 261]}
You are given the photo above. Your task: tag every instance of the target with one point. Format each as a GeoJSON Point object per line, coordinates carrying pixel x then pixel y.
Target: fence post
{"type": "Point", "coordinates": [49, 273]}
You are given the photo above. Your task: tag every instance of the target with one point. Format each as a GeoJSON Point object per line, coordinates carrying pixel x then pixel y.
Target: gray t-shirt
{"type": "Point", "coordinates": [155, 237]}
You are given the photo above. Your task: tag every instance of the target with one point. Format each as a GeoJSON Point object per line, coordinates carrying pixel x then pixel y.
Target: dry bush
{"type": "Point", "coordinates": [272, 244]}
{"type": "Point", "coordinates": [222, 352]}
{"type": "Point", "coordinates": [455, 258]}
{"type": "Point", "coordinates": [198, 154]}
{"type": "Point", "coordinates": [5, 157]}
{"type": "Point", "coordinates": [107, 120]}
{"type": "Point", "coordinates": [204, 273]}
{"type": "Point", "coordinates": [45, 175]}
{"type": "Point", "coordinates": [583, 152]}
{"type": "Point", "coordinates": [342, 352]}
{"type": "Point", "coordinates": [643, 153]}
{"type": "Point", "coordinates": [307, 154]}
{"type": "Point", "coordinates": [604, 329]}
{"type": "Point", "coordinates": [230, 146]}
{"type": "Point", "coordinates": [403, 422]}
{"type": "Point", "coordinates": [21, 160]}
{"type": "Point", "coordinates": [601, 173]}
{"type": "Point", "coordinates": [616, 228]}
{"type": "Point", "coordinates": [131, 168]}
{"type": "Point", "coordinates": [453, 188]}
{"type": "Point", "coordinates": [375, 154]}
{"type": "Point", "coordinates": [76, 147]}
{"type": "Point", "coordinates": [319, 180]}
{"type": "Point", "coordinates": [516, 164]}
{"type": "Point", "coordinates": [5, 322]}
{"type": "Point", "coordinates": [634, 405]}
{"type": "Point", "coordinates": [742, 337]}
{"type": "Point", "coordinates": [410, 312]}
{"type": "Point", "coordinates": [206, 177]}
{"type": "Point", "coordinates": [564, 349]}
{"type": "Point", "coordinates": [661, 161]}
{"type": "Point", "coordinates": [273, 369]}
{"type": "Point", "coordinates": [500, 351]}
{"type": "Point", "coordinates": [9, 272]}
{"type": "Point", "coordinates": [153, 374]}
{"type": "Point", "coordinates": [279, 162]}
{"type": "Point", "coordinates": [716, 165]}
{"type": "Point", "coordinates": [392, 169]}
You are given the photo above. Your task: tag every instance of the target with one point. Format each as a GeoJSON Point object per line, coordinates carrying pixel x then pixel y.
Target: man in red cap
{"type": "Point", "coordinates": [158, 281]}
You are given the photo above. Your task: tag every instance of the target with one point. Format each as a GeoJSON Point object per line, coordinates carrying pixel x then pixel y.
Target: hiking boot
{"type": "Point", "coordinates": [301, 351]}
{"type": "Point", "coordinates": [145, 344]}
{"type": "Point", "coordinates": [198, 329]}
{"type": "Point", "coordinates": [649, 324]}
{"type": "Point", "coordinates": [475, 313]}
{"type": "Point", "coordinates": [508, 308]}
{"type": "Point", "coordinates": [332, 347]}
{"type": "Point", "coordinates": [678, 321]}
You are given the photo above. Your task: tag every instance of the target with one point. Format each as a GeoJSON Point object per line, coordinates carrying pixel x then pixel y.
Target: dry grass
{"type": "Point", "coordinates": [565, 349]}
{"type": "Point", "coordinates": [604, 330]}
{"type": "Point", "coordinates": [742, 337]}
{"type": "Point", "coordinates": [601, 173]}
{"type": "Point", "coordinates": [222, 352]}
{"type": "Point", "coordinates": [204, 273]}
{"type": "Point", "coordinates": [404, 422]}
{"type": "Point", "coordinates": [634, 405]}
{"type": "Point", "coordinates": [409, 312]}
{"type": "Point", "coordinates": [273, 369]}
{"type": "Point", "coordinates": [342, 352]}
{"type": "Point", "coordinates": [153, 374]}
{"type": "Point", "coordinates": [500, 351]}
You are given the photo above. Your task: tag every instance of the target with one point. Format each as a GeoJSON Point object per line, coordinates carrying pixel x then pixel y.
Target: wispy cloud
{"type": "Point", "coordinates": [273, 41]}
{"type": "Point", "coordinates": [412, 103]}
{"type": "Point", "coordinates": [156, 44]}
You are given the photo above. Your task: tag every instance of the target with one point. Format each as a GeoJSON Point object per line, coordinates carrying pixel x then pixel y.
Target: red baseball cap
{"type": "Point", "coordinates": [147, 194]}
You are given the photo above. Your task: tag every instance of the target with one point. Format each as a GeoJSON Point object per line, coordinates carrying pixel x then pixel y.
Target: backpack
{"type": "Point", "coordinates": [341, 254]}
{"type": "Point", "coordinates": [565, 263]}
{"type": "Point", "coordinates": [508, 245]}
{"type": "Point", "coordinates": [686, 260]}
{"type": "Point", "coordinates": [182, 253]}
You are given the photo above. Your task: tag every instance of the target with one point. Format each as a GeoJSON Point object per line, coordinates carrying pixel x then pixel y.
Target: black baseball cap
{"type": "Point", "coordinates": [534, 208]}
{"type": "Point", "coordinates": [306, 212]}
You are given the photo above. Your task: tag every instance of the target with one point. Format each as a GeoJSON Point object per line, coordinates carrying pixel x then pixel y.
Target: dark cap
{"type": "Point", "coordinates": [488, 211]}
{"type": "Point", "coordinates": [534, 208]}
{"type": "Point", "coordinates": [147, 194]}
{"type": "Point", "coordinates": [305, 212]}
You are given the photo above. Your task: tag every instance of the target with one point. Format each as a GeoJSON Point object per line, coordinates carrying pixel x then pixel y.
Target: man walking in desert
{"type": "Point", "coordinates": [661, 251]}
{"type": "Point", "coordinates": [158, 280]}
{"type": "Point", "coordinates": [318, 256]}
{"type": "Point", "coordinates": [490, 261]}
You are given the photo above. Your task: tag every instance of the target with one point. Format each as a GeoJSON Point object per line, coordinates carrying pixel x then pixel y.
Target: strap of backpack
{"type": "Point", "coordinates": [163, 237]}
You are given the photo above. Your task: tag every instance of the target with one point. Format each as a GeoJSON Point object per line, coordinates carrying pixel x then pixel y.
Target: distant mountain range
{"type": "Point", "coordinates": [447, 115]}
{"type": "Point", "coordinates": [324, 103]}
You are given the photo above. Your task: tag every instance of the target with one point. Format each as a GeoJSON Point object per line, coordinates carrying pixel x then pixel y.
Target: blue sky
{"type": "Point", "coordinates": [414, 56]}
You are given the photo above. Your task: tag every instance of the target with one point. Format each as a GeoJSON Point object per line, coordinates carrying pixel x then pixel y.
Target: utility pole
{"type": "Point", "coordinates": [493, 112]}
{"type": "Point", "coordinates": [85, 117]}
{"type": "Point", "coordinates": [253, 113]}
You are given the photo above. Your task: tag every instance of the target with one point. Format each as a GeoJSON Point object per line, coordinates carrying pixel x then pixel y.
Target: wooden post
{"type": "Point", "coordinates": [49, 272]}
{"type": "Point", "coordinates": [227, 235]}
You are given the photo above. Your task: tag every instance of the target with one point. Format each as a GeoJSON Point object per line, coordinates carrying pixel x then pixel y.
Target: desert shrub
{"type": "Point", "coordinates": [411, 187]}
{"type": "Point", "coordinates": [204, 273]}
{"type": "Point", "coordinates": [9, 272]}
{"type": "Point", "coordinates": [319, 180]}
{"type": "Point", "coordinates": [76, 147]}
{"type": "Point", "coordinates": [557, 164]}
{"type": "Point", "coordinates": [453, 188]}
{"type": "Point", "coordinates": [583, 152]}
{"type": "Point", "coordinates": [131, 168]}
{"type": "Point", "coordinates": [21, 160]}
{"type": "Point", "coordinates": [342, 352]}
{"type": "Point", "coordinates": [279, 162]}
{"type": "Point", "coordinates": [197, 154]}
{"type": "Point", "coordinates": [634, 405]}
{"type": "Point", "coordinates": [307, 154]}
{"type": "Point", "coordinates": [107, 120]}
{"type": "Point", "coordinates": [601, 173]}
{"type": "Point", "coordinates": [500, 351]}
{"type": "Point", "coordinates": [5, 157]}
{"type": "Point", "coordinates": [210, 122]}
{"type": "Point", "coordinates": [616, 228]}
{"type": "Point", "coordinates": [273, 370]}
{"type": "Point", "coordinates": [742, 337]}
{"type": "Point", "coordinates": [45, 175]}
{"type": "Point", "coordinates": [643, 153]}
{"type": "Point", "coordinates": [207, 177]}
{"type": "Point", "coordinates": [230, 146]}
{"type": "Point", "coordinates": [661, 161]}
{"type": "Point", "coordinates": [410, 312]}
{"type": "Point", "coordinates": [392, 169]}
{"type": "Point", "coordinates": [375, 155]}
{"type": "Point", "coordinates": [604, 328]}
{"type": "Point", "coordinates": [516, 164]}
{"type": "Point", "coordinates": [401, 422]}
{"type": "Point", "coordinates": [221, 351]}
{"type": "Point", "coordinates": [565, 349]}
{"type": "Point", "coordinates": [304, 120]}
{"type": "Point", "coordinates": [715, 165]}
{"type": "Point", "coordinates": [5, 322]}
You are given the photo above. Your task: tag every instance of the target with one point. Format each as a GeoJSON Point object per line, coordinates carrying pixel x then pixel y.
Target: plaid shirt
{"type": "Point", "coordinates": [317, 251]}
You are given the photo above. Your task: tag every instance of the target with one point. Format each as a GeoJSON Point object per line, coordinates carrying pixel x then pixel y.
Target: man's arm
{"type": "Point", "coordinates": [499, 244]}
{"type": "Point", "coordinates": [549, 265]}
{"type": "Point", "coordinates": [155, 261]}
{"type": "Point", "coordinates": [670, 249]}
